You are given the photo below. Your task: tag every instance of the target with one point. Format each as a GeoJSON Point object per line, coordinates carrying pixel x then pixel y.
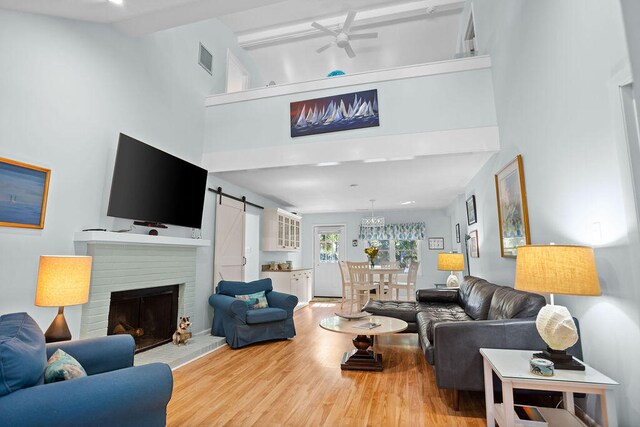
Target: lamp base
{"type": "Point", "coordinates": [58, 330]}
{"type": "Point", "coordinates": [561, 359]}
{"type": "Point", "coordinates": [452, 281]}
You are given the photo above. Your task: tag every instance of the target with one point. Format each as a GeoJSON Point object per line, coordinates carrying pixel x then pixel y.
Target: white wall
{"type": "Point", "coordinates": [68, 88]}
{"type": "Point", "coordinates": [437, 223]}
{"type": "Point", "coordinates": [458, 100]}
{"type": "Point", "coordinates": [556, 67]}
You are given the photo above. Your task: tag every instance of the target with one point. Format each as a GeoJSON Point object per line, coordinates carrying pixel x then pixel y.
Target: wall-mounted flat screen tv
{"type": "Point", "coordinates": [154, 186]}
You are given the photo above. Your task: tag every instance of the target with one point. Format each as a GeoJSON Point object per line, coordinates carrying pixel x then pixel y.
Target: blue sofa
{"type": "Point", "coordinates": [240, 326]}
{"type": "Point", "coordinates": [114, 393]}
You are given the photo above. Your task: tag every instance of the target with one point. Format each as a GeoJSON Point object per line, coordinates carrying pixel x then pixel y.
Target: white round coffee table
{"type": "Point", "coordinates": [363, 359]}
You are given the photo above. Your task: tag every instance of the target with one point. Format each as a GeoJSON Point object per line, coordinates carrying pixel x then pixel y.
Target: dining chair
{"type": "Point", "coordinates": [346, 283]}
{"type": "Point", "coordinates": [386, 285]}
{"type": "Point", "coordinates": [410, 285]}
{"type": "Point", "coordinates": [361, 283]}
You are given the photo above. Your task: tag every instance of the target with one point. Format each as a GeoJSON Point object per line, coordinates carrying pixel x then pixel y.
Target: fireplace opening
{"type": "Point", "coordinates": [149, 315]}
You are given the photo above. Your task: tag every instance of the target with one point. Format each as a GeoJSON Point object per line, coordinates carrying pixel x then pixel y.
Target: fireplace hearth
{"type": "Point", "coordinates": [149, 315]}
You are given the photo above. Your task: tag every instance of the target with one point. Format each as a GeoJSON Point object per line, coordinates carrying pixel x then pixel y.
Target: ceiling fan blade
{"type": "Point", "coordinates": [349, 50]}
{"type": "Point", "coordinates": [347, 22]}
{"type": "Point", "coordinates": [363, 36]}
{"type": "Point", "coordinates": [323, 48]}
{"type": "Point", "coordinates": [323, 29]}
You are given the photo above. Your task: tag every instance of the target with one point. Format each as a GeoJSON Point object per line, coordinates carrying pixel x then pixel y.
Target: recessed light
{"type": "Point", "coordinates": [328, 164]}
{"type": "Point", "coordinates": [408, 202]}
{"type": "Point", "coordinates": [118, 2]}
{"type": "Point", "coordinates": [374, 160]}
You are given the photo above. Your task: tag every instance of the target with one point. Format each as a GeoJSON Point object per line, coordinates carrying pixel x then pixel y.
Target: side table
{"type": "Point", "coordinates": [512, 368]}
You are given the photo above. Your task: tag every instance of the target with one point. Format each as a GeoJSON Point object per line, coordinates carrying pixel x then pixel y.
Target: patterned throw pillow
{"type": "Point", "coordinates": [254, 301]}
{"type": "Point", "coordinates": [61, 367]}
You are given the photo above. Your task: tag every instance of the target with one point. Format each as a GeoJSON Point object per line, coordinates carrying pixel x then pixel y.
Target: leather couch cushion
{"type": "Point", "coordinates": [403, 310]}
{"type": "Point", "coordinates": [475, 297]}
{"type": "Point", "coordinates": [264, 315]}
{"type": "Point", "coordinates": [22, 353]}
{"type": "Point", "coordinates": [508, 303]}
{"type": "Point", "coordinates": [437, 295]}
{"type": "Point", "coordinates": [427, 320]}
{"type": "Point", "coordinates": [232, 288]}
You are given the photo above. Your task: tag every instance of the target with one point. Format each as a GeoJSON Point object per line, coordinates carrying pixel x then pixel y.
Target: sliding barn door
{"type": "Point", "coordinates": [228, 263]}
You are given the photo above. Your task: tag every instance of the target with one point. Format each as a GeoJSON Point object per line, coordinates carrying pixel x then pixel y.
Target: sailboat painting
{"type": "Point", "coordinates": [354, 110]}
{"type": "Point", "coordinates": [23, 194]}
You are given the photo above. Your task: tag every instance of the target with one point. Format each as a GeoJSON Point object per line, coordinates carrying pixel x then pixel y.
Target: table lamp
{"type": "Point", "coordinates": [451, 262]}
{"type": "Point", "coordinates": [557, 269]}
{"type": "Point", "coordinates": [62, 280]}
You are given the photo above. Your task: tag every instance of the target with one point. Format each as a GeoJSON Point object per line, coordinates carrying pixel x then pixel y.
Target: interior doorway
{"type": "Point", "coordinates": [251, 246]}
{"type": "Point", "coordinates": [237, 75]}
{"type": "Point", "coordinates": [328, 248]}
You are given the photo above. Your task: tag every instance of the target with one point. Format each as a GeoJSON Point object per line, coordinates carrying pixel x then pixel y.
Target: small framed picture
{"type": "Point", "coordinates": [436, 243]}
{"type": "Point", "coordinates": [471, 210]}
{"type": "Point", "coordinates": [474, 251]}
{"type": "Point", "coordinates": [458, 233]}
{"type": "Point", "coordinates": [23, 194]}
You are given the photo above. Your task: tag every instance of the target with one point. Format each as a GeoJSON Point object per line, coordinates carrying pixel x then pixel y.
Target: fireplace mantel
{"type": "Point", "coordinates": [136, 239]}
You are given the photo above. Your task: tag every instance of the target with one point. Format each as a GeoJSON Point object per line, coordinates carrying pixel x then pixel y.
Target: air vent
{"type": "Point", "coordinates": [205, 59]}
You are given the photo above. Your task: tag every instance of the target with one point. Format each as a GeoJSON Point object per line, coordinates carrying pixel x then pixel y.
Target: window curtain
{"type": "Point", "coordinates": [407, 231]}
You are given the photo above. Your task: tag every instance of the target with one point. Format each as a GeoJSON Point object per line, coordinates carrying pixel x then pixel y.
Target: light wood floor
{"type": "Point", "coordinates": [299, 383]}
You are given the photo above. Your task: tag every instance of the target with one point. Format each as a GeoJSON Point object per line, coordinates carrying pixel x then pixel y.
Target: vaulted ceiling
{"type": "Point", "coordinates": [282, 43]}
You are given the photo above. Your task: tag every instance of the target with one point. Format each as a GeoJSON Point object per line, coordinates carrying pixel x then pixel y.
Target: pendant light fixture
{"type": "Point", "coordinates": [373, 221]}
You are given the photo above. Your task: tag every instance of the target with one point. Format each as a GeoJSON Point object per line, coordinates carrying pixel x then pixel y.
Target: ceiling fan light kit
{"type": "Point", "coordinates": [342, 37]}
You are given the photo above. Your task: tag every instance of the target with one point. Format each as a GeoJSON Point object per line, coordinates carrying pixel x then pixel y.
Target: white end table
{"type": "Point", "coordinates": [512, 368]}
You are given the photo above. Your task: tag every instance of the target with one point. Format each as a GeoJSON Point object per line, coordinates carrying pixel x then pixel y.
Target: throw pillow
{"type": "Point", "coordinates": [22, 353]}
{"type": "Point", "coordinates": [254, 301]}
{"type": "Point", "coordinates": [62, 366]}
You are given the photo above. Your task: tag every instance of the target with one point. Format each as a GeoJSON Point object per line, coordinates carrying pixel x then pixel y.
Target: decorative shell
{"type": "Point", "coordinates": [556, 327]}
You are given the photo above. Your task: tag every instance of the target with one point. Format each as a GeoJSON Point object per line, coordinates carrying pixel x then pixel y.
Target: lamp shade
{"type": "Point", "coordinates": [450, 262]}
{"type": "Point", "coordinates": [63, 280]}
{"type": "Point", "coordinates": [557, 269]}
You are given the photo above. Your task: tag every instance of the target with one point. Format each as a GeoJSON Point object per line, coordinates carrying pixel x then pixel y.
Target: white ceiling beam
{"type": "Point", "coordinates": [365, 18]}
{"type": "Point", "coordinates": [389, 147]}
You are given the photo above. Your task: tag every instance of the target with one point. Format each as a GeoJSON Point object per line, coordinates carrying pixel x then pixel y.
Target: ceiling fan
{"type": "Point", "coordinates": [342, 35]}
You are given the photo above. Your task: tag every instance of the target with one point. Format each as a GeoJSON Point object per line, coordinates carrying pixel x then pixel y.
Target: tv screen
{"type": "Point", "coordinates": [154, 186]}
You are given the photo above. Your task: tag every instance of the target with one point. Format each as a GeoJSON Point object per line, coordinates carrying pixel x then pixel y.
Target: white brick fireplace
{"type": "Point", "coordinates": [127, 262]}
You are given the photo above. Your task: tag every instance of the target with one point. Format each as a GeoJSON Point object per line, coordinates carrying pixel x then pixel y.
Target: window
{"type": "Point", "coordinates": [329, 247]}
{"type": "Point", "coordinates": [402, 251]}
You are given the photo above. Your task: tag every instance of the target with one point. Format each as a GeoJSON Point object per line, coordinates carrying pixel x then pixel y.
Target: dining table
{"type": "Point", "coordinates": [385, 276]}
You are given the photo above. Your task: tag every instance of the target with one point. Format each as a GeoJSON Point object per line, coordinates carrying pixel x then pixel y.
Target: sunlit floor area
{"type": "Point", "coordinates": [299, 382]}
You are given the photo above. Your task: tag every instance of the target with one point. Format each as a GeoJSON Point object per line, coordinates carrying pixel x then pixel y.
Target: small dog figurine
{"type": "Point", "coordinates": [182, 334]}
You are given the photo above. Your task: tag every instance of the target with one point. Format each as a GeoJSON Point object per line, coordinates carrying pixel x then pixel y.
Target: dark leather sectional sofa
{"type": "Point", "coordinates": [453, 324]}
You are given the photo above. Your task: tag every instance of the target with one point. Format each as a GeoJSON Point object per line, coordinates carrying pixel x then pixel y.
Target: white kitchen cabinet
{"type": "Point", "coordinates": [294, 282]}
{"type": "Point", "coordinates": [280, 231]}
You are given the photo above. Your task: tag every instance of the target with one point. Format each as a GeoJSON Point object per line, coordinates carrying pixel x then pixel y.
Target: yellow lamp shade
{"type": "Point", "coordinates": [557, 269]}
{"type": "Point", "coordinates": [450, 262]}
{"type": "Point", "coordinates": [63, 280]}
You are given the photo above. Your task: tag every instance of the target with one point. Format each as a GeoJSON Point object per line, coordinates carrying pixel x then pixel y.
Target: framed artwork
{"type": "Point", "coordinates": [23, 194]}
{"type": "Point", "coordinates": [513, 218]}
{"type": "Point", "coordinates": [436, 243]}
{"type": "Point", "coordinates": [355, 110]}
{"type": "Point", "coordinates": [458, 233]}
{"type": "Point", "coordinates": [471, 210]}
{"type": "Point", "coordinates": [474, 251]}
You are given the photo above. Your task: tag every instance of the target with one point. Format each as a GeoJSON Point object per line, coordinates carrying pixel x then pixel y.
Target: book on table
{"type": "Point", "coordinates": [367, 325]}
{"type": "Point", "coordinates": [529, 416]}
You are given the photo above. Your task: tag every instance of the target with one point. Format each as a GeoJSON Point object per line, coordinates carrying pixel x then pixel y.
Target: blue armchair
{"type": "Point", "coordinates": [241, 326]}
{"type": "Point", "coordinates": [113, 392]}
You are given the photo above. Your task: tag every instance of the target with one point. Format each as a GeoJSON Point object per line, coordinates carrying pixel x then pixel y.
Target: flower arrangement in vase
{"type": "Point", "coordinates": [372, 253]}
